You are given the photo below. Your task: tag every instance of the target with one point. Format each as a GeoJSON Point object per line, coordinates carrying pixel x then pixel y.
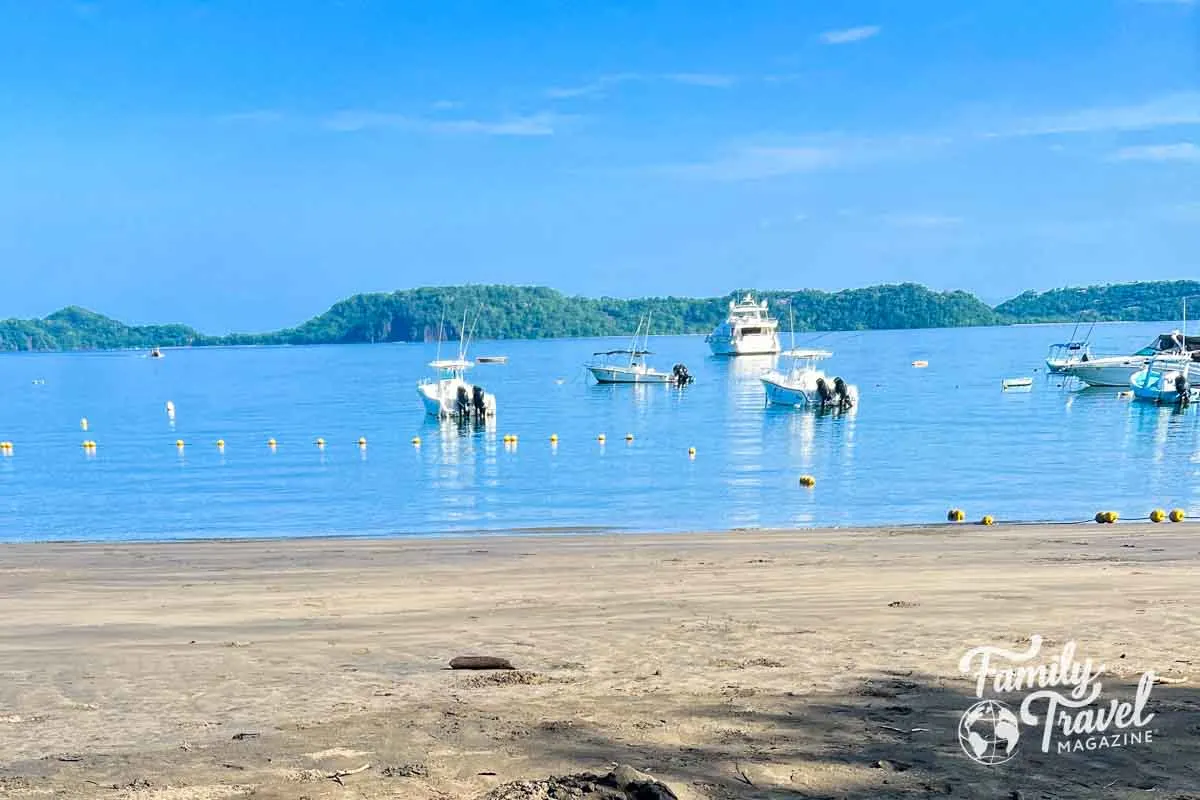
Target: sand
{"type": "Point", "coordinates": [768, 664]}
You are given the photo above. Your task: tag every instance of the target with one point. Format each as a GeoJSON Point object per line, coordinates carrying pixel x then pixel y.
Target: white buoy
{"type": "Point", "coordinates": [170, 409]}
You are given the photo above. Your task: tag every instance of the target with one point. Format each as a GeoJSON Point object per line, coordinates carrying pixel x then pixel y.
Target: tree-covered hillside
{"type": "Point", "coordinates": [526, 312]}
{"type": "Point", "coordinates": [1148, 301]}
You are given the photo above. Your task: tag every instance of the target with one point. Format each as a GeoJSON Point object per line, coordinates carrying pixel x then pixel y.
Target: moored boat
{"type": "Point", "coordinates": [747, 330]}
{"type": "Point", "coordinates": [1118, 371]}
{"type": "Point", "coordinates": [803, 385]}
{"type": "Point", "coordinates": [1164, 381]}
{"type": "Point", "coordinates": [629, 366]}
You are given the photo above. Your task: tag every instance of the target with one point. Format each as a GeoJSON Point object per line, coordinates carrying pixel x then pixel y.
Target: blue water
{"type": "Point", "coordinates": [921, 441]}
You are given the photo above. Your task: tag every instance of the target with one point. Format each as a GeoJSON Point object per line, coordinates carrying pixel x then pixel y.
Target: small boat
{"type": "Point", "coordinates": [156, 353]}
{"type": "Point", "coordinates": [1066, 354]}
{"type": "Point", "coordinates": [805, 386]}
{"type": "Point", "coordinates": [1016, 383]}
{"type": "Point", "coordinates": [747, 330]}
{"type": "Point", "coordinates": [491, 360]}
{"type": "Point", "coordinates": [629, 366]}
{"type": "Point", "coordinates": [448, 395]}
{"type": "Point", "coordinates": [920, 364]}
{"type": "Point", "coordinates": [1164, 381]}
{"type": "Point", "coordinates": [1118, 371]}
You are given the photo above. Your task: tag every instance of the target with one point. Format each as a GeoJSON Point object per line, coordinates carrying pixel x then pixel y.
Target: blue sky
{"type": "Point", "coordinates": [240, 165]}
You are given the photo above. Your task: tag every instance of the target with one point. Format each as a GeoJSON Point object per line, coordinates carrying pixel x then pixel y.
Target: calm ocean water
{"type": "Point", "coordinates": [921, 441]}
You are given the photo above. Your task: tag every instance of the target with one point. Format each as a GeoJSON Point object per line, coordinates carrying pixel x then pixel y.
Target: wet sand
{"type": "Point", "coordinates": [767, 664]}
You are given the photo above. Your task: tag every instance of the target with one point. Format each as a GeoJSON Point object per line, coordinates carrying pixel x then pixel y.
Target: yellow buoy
{"type": "Point", "coordinates": [89, 445]}
{"type": "Point", "coordinates": [221, 444]}
{"type": "Point", "coordinates": [808, 481]}
{"type": "Point", "coordinates": [692, 452]}
{"type": "Point", "coordinates": [1107, 517]}
{"type": "Point", "coordinates": [987, 520]}
{"type": "Point", "coordinates": [362, 441]}
{"type": "Point", "coordinates": [629, 437]}
{"type": "Point", "coordinates": [1158, 515]}
{"type": "Point", "coordinates": [1177, 515]}
{"type": "Point", "coordinates": [554, 438]}
{"type": "Point", "coordinates": [179, 443]}
{"type": "Point", "coordinates": [321, 443]}
{"type": "Point", "coordinates": [416, 440]}
{"type": "Point", "coordinates": [83, 424]}
{"type": "Point", "coordinates": [955, 515]}
{"type": "Point", "coordinates": [271, 443]}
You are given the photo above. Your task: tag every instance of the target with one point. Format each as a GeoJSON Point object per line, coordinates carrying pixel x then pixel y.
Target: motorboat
{"type": "Point", "coordinates": [156, 353]}
{"type": "Point", "coordinates": [1164, 381]}
{"type": "Point", "coordinates": [1067, 354]}
{"type": "Point", "coordinates": [450, 396]}
{"type": "Point", "coordinates": [1118, 371]}
{"type": "Point", "coordinates": [629, 366]}
{"type": "Point", "coordinates": [491, 360]}
{"type": "Point", "coordinates": [803, 385]}
{"type": "Point", "coordinates": [747, 330]}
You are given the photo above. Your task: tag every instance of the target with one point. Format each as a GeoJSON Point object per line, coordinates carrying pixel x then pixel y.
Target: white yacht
{"type": "Point", "coordinates": [748, 330]}
{"type": "Point", "coordinates": [1067, 354]}
{"type": "Point", "coordinates": [804, 385]}
{"type": "Point", "coordinates": [1118, 371]}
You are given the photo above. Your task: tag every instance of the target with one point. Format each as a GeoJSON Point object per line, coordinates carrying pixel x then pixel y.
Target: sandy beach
{"type": "Point", "coordinates": [763, 665]}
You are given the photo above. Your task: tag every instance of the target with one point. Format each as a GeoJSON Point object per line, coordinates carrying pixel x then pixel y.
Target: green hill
{"type": "Point", "coordinates": [530, 312]}
{"type": "Point", "coordinates": [1149, 301]}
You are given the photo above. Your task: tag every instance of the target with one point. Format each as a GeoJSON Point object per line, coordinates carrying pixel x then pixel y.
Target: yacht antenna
{"type": "Point", "coordinates": [441, 330]}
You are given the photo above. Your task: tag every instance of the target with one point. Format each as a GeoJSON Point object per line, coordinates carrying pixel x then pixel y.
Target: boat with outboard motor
{"type": "Point", "coordinates": [629, 366]}
{"type": "Point", "coordinates": [449, 395]}
{"type": "Point", "coordinates": [803, 385]}
{"type": "Point", "coordinates": [1164, 381]}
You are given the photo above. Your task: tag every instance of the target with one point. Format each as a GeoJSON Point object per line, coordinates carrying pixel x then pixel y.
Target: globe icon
{"type": "Point", "coordinates": [988, 732]}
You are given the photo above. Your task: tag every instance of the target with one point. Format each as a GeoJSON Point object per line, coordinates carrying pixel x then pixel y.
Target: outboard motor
{"type": "Point", "coordinates": [463, 401]}
{"type": "Point", "coordinates": [824, 391]}
{"type": "Point", "coordinates": [477, 400]}
{"type": "Point", "coordinates": [681, 375]}
{"type": "Point", "coordinates": [1181, 388]}
{"type": "Point", "coordinates": [843, 394]}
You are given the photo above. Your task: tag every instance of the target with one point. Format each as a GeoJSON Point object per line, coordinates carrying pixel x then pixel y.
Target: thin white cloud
{"type": "Point", "coordinates": [755, 163]}
{"type": "Point", "coordinates": [911, 220]}
{"type": "Point", "coordinates": [600, 86]}
{"type": "Point", "coordinates": [1181, 151]}
{"type": "Point", "coordinates": [257, 116]}
{"type": "Point", "coordinates": [850, 35]}
{"type": "Point", "coordinates": [445, 105]}
{"type": "Point", "coordinates": [1168, 2]}
{"type": "Point", "coordinates": [541, 124]}
{"type": "Point", "coordinates": [1178, 108]}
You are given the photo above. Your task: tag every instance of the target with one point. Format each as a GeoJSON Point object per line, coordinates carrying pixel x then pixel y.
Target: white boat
{"type": "Point", "coordinates": [1067, 354]}
{"type": "Point", "coordinates": [748, 330]}
{"type": "Point", "coordinates": [629, 366]}
{"type": "Point", "coordinates": [491, 360]}
{"type": "Point", "coordinates": [1016, 383]}
{"type": "Point", "coordinates": [1164, 381]}
{"type": "Point", "coordinates": [448, 395]}
{"type": "Point", "coordinates": [804, 385]}
{"type": "Point", "coordinates": [1118, 371]}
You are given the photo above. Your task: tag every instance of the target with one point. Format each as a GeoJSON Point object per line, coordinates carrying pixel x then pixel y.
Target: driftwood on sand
{"type": "Point", "coordinates": [480, 662]}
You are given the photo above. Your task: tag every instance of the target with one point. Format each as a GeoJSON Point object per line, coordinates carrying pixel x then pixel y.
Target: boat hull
{"type": "Point", "coordinates": [440, 399]}
{"type": "Point", "coordinates": [781, 391]}
{"type": "Point", "coordinates": [1159, 387]}
{"type": "Point", "coordinates": [754, 344]}
{"type": "Point", "coordinates": [1113, 373]}
{"type": "Point", "coordinates": [626, 375]}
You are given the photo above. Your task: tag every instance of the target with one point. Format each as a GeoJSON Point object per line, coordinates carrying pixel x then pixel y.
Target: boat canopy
{"type": "Point", "coordinates": [1170, 341]}
{"type": "Point", "coordinates": [624, 353]}
{"type": "Point", "coordinates": [1069, 345]}
{"type": "Point", "coordinates": [806, 353]}
{"type": "Point", "coordinates": [451, 364]}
